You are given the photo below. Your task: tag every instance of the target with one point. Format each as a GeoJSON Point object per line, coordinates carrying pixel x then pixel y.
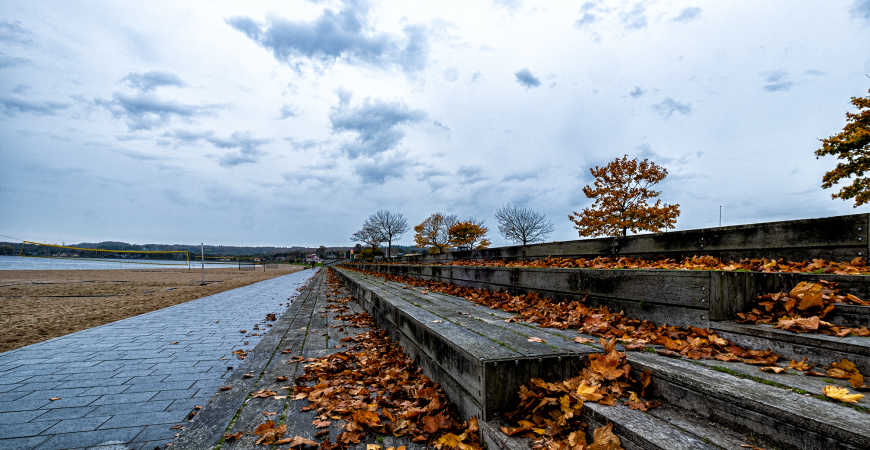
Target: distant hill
{"type": "Point", "coordinates": [265, 253]}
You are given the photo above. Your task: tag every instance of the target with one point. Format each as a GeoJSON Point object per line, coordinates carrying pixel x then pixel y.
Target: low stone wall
{"type": "Point", "coordinates": [678, 297]}
{"type": "Point", "coordinates": [836, 238]}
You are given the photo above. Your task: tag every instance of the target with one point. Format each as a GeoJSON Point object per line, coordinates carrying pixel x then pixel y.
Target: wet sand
{"type": "Point", "coordinates": [36, 305]}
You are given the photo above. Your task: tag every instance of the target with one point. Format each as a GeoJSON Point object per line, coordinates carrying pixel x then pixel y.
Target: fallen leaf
{"type": "Point", "coordinates": [604, 439]}
{"type": "Point", "coordinates": [297, 441]}
{"type": "Point", "coordinates": [269, 413]}
{"type": "Point", "coordinates": [225, 388]}
{"type": "Point", "coordinates": [583, 340]}
{"type": "Point", "coordinates": [269, 433]}
{"type": "Point", "coordinates": [54, 398]}
{"type": "Point", "coordinates": [773, 369]}
{"type": "Point", "coordinates": [234, 436]}
{"type": "Point", "coordinates": [536, 339]}
{"type": "Point", "coordinates": [801, 365]}
{"type": "Point", "coordinates": [840, 393]}
{"type": "Point", "coordinates": [281, 378]}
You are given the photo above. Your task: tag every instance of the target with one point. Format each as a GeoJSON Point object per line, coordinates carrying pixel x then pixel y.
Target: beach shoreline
{"type": "Point", "coordinates": [36, 305]}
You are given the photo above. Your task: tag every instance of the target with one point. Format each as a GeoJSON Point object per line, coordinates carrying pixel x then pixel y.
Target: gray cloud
{"type": "Point", "coordinates": [303, 144]}
{"type": "Point", "coordinates": [7, 61]}
{"type": "Point", "coordinates": [148, 81]}
{"type": "Point", "coordinates": [635, 18]}
{"type": "Point", "coordinates": [588, 16]}
{"type": "Point", "coordinates": [287, 111]}
{"type": "Point", "coordinates": [688, 14]}
{"type": "Point", "coordinates": [144, 111]}
{"type": "Point", "coordinates": [525, 78]}
{"type": "Point", "coordinates": [375, 122]}
{"type": "Point", "coordinates": [187, 137]}
{"type": "Point", "coordinates": [861, 9]}
{"type": "Point", "coordinates": [520, 176]}
{"type": "Point", "coordinates": [637, 92]}
{"type": "Point", "coordinates": [332, 36]}
{"type": "Point", "coordinates": [776, 81]}
{"type": "Point", "coordinates": [667, 107]}
{"type": "Point", "coordinates": [247, 145]}
{"type": "Point", "coordinates": [12, 106]}
{"type": "Point", "coordinates": [378, 171]}
{"type": "Point", "coordinates": [15, 32]}
{"type": "Point", "coordinates": [470, 174]}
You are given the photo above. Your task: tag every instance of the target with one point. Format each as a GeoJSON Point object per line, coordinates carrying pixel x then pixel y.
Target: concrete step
{"type": "Point", "coordinates": [787, 418]}
{"type": "Point", "coordinates": [705, 406]}
{"type": "Point", "coordinates": [818, 348]}
{"type": "Point", "coordinates": [479, 362]}
{"type": "Point", "coordinates": [850, 315]}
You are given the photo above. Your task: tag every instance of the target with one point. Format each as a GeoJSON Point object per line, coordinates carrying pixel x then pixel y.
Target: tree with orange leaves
{"type": "Point", "coordinates": [469, 234]}
{"type": "Point", "coordinates": [434, 232]}
{"type": "Point", "coordinates": [622, 190]}
{"type": "Point", "coordinates": [852, 147]}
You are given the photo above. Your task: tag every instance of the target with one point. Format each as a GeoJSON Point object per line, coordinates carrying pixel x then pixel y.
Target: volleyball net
{"type": "Point", "coordinates": [31, 249]}
{"type": "Point", "coordinates": [154, 257]}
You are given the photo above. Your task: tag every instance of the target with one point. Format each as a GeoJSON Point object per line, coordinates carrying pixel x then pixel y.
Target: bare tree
{"type": "Point", "coordinates": [522, 225]}
{"type": "Point", "coordinates": [369, 235]}
{"type": "Point", "coordinates": [390, 225]}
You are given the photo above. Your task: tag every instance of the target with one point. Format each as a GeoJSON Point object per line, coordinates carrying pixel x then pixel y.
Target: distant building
{"type": "Point", "coordinates": [313, 258]}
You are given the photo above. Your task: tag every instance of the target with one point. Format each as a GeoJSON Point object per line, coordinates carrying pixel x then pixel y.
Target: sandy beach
{"type": "Point", "coordinates": [36, 305]}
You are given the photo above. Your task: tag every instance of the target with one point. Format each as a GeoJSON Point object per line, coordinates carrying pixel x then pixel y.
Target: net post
{"type": "Point", "coordinates": [202, 261]}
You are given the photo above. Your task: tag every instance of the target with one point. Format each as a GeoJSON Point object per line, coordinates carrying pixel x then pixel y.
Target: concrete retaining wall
{"type": "Point", "coordinates": [836, 238]}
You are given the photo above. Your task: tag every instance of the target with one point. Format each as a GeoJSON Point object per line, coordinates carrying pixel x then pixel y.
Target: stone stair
{"type": "Point", "coordinates": [706, 403]}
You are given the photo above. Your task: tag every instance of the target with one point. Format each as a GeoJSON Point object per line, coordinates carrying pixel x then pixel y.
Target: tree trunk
{"type": "Point", "coordinates": [389, 248]}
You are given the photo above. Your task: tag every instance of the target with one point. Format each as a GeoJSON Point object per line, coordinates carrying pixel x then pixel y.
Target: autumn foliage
{"type": "Point", "coordinates": [852, 147]}
{"type": "Point", "coordinates": [549, 412]}
{"type": "Point", "coordinates": [633, 334]}
{"type": "Point", "coordinates": [856, 266]}
{"type": "Point", "coordinates": [468, 235]}
{"type": "Point", "coordinates": [622, 191]}
{"type": "Point", "coordinates": [375, 388]}
{"type": "Point", "coordinates": [434, 232]}
{"type": "Point", "coordinates": [802, 309]}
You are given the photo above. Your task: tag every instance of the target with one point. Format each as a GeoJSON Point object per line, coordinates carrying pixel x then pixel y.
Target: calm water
{"type": "Point", "coordinates": [25, 263]}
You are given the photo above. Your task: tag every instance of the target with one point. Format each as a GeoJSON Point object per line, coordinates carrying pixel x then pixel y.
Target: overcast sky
{"type": "Point", "coordinates": [287, 123]}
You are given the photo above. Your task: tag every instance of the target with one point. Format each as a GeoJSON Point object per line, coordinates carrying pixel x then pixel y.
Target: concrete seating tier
{"type": "Point", "coordinates": [480, 360]}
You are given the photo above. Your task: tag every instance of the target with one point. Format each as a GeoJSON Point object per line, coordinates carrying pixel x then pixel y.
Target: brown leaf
{"type": "Point", "coordinates": [840, 393]}
{"type": "Point", "coordinates": [801, 365]}
{"type": "Point", "coordinates": [604, 439]}
{"type": "Point", "coordinates": [773, 369]}
{"type": "Point", "coordinates": [536, 339]}
{"type": "Point", "coordinates": [54, 398]}
{"type": "Point", "coordinates": [232, 437]}
{"type": "Point", "coordinates": [225, 388]}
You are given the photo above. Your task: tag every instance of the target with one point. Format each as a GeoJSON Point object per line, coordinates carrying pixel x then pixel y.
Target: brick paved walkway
{"type": "Point", "coordinates": [129, 381]}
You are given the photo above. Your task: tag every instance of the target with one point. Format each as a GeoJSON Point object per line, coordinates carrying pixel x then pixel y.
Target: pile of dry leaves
{"type": "Point", "coordinates": [802, 309]}
{"type": "Point", "coordinates": [549, 412]}
{"type": "Point", "coordinates": [599, 321]}
{"type": "Point", "coordinates": [375, 388]}
{"type": "Point", "coordinates": [856, 266]}
{"type": "Point", "coordinates": [633, 334]}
